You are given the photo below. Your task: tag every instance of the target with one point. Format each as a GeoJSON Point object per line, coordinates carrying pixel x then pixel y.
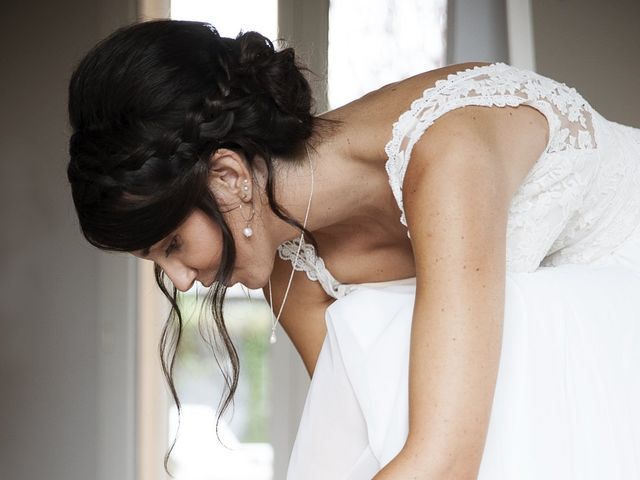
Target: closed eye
{"type": "Point", "coordinates": [172, 246]}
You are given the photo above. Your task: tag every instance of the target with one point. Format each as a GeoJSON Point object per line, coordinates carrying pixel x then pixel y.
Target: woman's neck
{"type": "Point", "coordinates": [343, 187]}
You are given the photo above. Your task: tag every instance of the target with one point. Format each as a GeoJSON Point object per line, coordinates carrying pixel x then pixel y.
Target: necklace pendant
{"type": "Point", "coordinates": [272, 339]}
{"type": "Point", "coordinates": [248, 231]}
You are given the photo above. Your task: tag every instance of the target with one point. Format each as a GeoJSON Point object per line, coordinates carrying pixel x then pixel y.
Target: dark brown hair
{"type": "Point", "coordinates": [148, 106]}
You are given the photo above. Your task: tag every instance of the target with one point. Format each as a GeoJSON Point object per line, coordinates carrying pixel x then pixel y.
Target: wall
{"type": "Point", "coordinates": [593, 46]}
{"type": "Point", "coordinates": [66, 379]}
{"type": "Point", "coordinates": [477, 31]}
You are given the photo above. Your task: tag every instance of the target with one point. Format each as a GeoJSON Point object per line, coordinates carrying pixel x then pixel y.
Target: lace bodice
{"type": "Point", "coordinates": [579, 201]}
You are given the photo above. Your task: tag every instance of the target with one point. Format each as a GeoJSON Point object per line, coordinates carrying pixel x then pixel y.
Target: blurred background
{"type": "Point", "coordinates": [81, 391]}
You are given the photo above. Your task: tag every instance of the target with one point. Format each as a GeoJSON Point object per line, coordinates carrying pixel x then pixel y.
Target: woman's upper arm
{"type": "Point", "coordinates": [456, 202]}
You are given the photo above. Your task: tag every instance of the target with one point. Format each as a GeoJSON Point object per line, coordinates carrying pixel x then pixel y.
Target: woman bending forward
{"type": "Point", "coordinates": [455, 256]}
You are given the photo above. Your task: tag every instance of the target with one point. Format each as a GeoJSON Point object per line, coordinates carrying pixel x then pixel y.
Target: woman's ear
{"type": "Point", "coordinates": [227, 172]}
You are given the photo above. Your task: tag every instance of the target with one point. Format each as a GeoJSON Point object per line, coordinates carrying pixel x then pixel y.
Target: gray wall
{"type": "Point", "coordinates": [592, 45]}
{"type": "Point", "coordinates": [63, 378]}
{"type": "Point", "coordinates": [477, 31]}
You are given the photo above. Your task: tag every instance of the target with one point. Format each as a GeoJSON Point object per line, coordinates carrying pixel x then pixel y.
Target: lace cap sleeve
{"type": "Point", "coordinates": [496, 84]}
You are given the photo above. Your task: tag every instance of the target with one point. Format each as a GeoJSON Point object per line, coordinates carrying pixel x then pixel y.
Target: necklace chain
{"type": "Point", "coordinates": [272, 339]}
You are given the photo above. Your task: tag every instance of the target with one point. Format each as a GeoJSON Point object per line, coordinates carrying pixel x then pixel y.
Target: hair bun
{"type": "Point", "coordinates": [263, 70]}
{"type": "Point", "coordinates": [255, 50]}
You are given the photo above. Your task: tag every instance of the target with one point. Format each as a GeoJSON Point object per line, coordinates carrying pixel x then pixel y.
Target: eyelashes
{"type": "Point", "coordinates": [172, 246]}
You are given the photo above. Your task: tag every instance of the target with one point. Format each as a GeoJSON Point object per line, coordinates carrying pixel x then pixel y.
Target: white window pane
{"type": "Point", "coordinates": [376, 42]}
{"type": "Point", "coordinates": [246, 452]}
{"type": "Point", "coordinates": [231, 17]}
{"type": "Point", "coordinates": [198, 455]}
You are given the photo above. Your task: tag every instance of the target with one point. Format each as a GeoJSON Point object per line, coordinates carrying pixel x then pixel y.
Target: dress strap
{"type": "Point", "coordinates": [314, 266]}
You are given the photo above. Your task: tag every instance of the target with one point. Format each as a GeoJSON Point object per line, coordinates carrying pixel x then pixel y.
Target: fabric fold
{"type": "Point", "coordinates": [567, 398]}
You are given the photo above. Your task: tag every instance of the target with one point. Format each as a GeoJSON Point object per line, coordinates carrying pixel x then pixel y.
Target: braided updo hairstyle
{"type": "Point", "coordinates": [148, 106]}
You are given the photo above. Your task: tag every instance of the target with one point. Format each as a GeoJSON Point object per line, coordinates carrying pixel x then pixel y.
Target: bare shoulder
{"type": "Point", "coordinates": [396, 97]}
{"type": "Point", "coordinates": [303, 314]}
{"type": "Point", "coordinates": [371, 116]}
{"type": "Point", "coordinates": [515, 136]}
{"type": "Point", "coordinates": [518, 135]}
{"type": "Point", "coordinates": [412, 87]}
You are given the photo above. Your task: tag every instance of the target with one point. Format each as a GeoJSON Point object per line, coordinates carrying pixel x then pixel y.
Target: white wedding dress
{"type": "Point", "coordinates": [567, 399]}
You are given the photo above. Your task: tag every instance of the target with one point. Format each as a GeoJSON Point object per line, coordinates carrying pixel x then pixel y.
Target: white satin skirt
{"type": "Point", "coordinates": [567, 399]}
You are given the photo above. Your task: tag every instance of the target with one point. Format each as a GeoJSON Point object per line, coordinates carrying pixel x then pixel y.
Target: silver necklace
{"type": "Point", "coordinates": [272, 338]}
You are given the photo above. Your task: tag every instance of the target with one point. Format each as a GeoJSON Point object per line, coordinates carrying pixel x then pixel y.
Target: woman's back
{"type": "Point", "coordinates": [377, 111]}
{"type": "Point", "coordinates": [566, 403]}
{"type": "Point", "coordinates": [562, 207]}
{"type": "Point", "coordinates": [381, 238]}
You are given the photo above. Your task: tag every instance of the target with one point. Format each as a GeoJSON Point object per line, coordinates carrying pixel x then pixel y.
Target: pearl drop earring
{"type": "Point", "coordinates": [247, 231]}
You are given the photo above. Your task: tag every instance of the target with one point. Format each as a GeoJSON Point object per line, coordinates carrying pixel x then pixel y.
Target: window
{"type": "Point", "coordinates": [394, 40]}
{"type": "Point", "coordinates": [246, 452]}
{"type": "Point", "coordinates": [231, 17]}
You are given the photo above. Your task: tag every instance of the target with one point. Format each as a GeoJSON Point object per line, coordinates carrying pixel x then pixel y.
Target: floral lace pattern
{"type": "Point", "coordinates": [610, 210]}
{"type": "Point", "coordinates": [580, 200]}
{"type": "Point", "coordinates": [313, 265]}
{"type": "Point", "coordinates": [498, 84]}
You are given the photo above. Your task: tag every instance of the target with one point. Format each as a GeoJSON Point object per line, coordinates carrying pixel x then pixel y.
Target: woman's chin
{"type": "Point", "coordinates": [252, 283]}
{"type": "Point", "coordinates": [231, 282]}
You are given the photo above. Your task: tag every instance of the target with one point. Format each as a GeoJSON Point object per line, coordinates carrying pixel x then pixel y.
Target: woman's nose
{"type": "Point", "coordinates": [182, 277]}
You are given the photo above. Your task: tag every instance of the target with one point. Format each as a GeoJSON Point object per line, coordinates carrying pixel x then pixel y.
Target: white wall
{"type": "Point", "coordinates": [65, 376]}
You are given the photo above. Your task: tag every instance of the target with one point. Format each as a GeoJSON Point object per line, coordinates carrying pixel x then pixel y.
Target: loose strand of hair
{"type": "Point", "coordinates": [170, 339]}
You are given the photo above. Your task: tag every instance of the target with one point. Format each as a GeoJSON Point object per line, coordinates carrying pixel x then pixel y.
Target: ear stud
{"type": "Point", "coordinates": [247, 231]}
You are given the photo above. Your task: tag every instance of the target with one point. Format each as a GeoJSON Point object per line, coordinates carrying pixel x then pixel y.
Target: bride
{"type": "Point", "coordinates": [455, 256]}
